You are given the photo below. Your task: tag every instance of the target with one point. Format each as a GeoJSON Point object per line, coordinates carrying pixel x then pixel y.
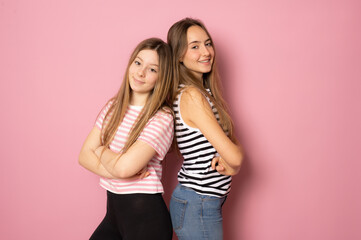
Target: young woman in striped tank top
{"type": "Point", "coordinates": [204, 135]}
{"type": "Point", "coordinates": [127, 145]}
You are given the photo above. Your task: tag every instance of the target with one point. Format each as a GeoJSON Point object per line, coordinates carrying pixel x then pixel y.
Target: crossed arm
{"type": "Point", "coordinates": [130, 165]}
{"type": "Point", "coordinates": [197, 113]}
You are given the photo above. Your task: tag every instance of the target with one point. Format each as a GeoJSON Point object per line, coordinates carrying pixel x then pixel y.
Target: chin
{"type": "Point", "coordinates": [207, 71]}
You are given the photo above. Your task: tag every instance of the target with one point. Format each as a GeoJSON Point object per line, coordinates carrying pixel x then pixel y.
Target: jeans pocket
{"type": "Point", "coordinates": [177, 209]}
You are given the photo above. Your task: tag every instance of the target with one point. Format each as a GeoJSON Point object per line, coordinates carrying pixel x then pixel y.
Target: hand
{"type": "Point", "coordinates": [143, 173]}
{"type": "Point", "coordinates": [217, 164]}
{"type": "Point", "coordinates": [110, 158]}
{"type": "Point", "coordinates": [222, 167]}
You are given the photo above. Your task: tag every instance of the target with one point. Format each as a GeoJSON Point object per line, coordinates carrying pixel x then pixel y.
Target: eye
{"type": "Point", "coordinates": [209, 44]}
{"type": "Point", "coordinates": [137, 62]}
{"type": "Point", "coordinates": [153, 70]}
{"type": "Point", "coordinates": [194, 47]}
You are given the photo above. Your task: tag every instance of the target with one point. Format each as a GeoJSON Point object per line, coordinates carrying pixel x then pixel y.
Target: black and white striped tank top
{"type": "Point", "coordinates": [196, 172]}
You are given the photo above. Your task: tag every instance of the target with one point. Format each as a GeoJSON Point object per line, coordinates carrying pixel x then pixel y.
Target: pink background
{"type": "Point", "coordinates": [291, 73]}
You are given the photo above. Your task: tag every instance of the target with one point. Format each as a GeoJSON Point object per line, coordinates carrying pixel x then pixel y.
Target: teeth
{"type": "Point", "coordinates": [205, 61]}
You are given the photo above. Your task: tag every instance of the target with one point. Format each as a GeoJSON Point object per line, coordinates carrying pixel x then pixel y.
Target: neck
{"type": "Point", "coordinates": [198, 76]}
{"type": "Point", "coordinates": [138, 99]}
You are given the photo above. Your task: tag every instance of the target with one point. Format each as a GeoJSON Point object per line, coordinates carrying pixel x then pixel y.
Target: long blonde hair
{"type": "Point", "coordinates": [159, 97]}
{"type": "Point", "coordinates": [177, 40]}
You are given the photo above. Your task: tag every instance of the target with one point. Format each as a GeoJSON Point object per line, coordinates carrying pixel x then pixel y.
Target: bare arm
{"type": "Point", "coordinates": [219, 164]}
{"type": "Point", "coordinates": [129, 164]}
{"type": "Point", "coordinates": [197, 113]}
{"type": "Point", "coordinates": [88, 158]}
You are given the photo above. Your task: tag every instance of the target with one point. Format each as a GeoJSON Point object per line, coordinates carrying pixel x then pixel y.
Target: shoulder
{"type": "Point", "coordinates": [160, 125]}
{"type": "Point", "coordinates": [105, 111]}
{"type": "Point", "coordinates": [108, 105]}
{"type": "Point", "coordinates": [191, 90]}
{"type": "Point", "coordinates": [163, 115]}
{"type": "Point", "coordinates": [193, 96]}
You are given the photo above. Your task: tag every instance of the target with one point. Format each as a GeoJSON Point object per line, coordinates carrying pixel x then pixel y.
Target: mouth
{"type": "Point", "coordinates": [138, 81]}
{"type": "Point", "coordinates": [205, 61]}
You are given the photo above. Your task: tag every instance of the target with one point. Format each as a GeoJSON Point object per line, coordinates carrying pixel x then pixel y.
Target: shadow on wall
{"type": "Point", "coordinates": [171, 165]}
{"type": "Point", "coordinates": [234, 205]}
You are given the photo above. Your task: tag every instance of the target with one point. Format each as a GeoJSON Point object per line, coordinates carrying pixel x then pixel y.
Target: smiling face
{"type": "Point", "coordinates": [143, 73]}
{"type": "Point", "coordinates": [199, 54]}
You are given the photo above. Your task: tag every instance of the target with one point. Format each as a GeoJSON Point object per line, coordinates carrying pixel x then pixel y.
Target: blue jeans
{"type": "Point", "coordinates": [196, 216]}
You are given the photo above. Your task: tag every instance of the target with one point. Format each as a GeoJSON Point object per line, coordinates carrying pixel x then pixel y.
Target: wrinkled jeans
{"type": "Point", "coordinates": [195, 216]}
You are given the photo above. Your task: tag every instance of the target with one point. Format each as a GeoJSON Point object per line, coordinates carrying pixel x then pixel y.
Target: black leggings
{"type": "Point", "coordinates": [135, 216]}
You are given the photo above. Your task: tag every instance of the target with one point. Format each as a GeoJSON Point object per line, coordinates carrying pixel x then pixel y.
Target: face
{"type": "Point", "coordinates": [143, 72]}
{"type": "Point", "coordinates": [199, 54]}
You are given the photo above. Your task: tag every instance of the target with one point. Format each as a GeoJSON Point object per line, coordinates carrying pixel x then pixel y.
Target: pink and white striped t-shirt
{"type": "Point", "coordinates": [158, 133]}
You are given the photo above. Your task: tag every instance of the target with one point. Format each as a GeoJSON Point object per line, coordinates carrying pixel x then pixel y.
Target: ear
{"type": "Point", "coordinates": [181, 60]}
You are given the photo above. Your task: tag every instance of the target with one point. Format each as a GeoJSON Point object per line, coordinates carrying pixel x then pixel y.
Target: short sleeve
{"type": "Point", "coordinates": [101, 116]}
{"type": "Point", "coordinates": [158, 133]}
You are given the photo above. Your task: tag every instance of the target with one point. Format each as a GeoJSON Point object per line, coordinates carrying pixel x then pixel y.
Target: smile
{"type": "Point", "coordinates": [138, 81]}
{"type": "Point", "coordinates": [205, 61]}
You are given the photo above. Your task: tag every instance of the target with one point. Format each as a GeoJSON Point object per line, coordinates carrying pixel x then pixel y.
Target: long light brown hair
{"type": "Point", "coordinates": [159, 97]}
{"type": "Point", "coordinates": [177, 40]}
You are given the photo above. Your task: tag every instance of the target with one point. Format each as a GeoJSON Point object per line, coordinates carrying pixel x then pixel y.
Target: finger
{"type": "Point", "coordinates": [144, 175]}
{"type": "Point", "coordinates": [214, 162]}
{"type": "Point", "coordinates": [220, 167]}
{"type": "Point", "coordinates": [221, 171]}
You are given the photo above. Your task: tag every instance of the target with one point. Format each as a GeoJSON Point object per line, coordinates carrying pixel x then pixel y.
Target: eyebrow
{"type": "Point", "coordinates": [143, 61]}
{"type": "Point", "coordinates": [199, 41]}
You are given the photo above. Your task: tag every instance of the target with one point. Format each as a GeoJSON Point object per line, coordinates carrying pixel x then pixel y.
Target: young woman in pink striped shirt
{"type": "Point", "coordinates": [126, 147]}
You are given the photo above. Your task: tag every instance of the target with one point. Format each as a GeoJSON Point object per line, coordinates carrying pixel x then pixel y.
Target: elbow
{"type": "Point", "coordinates": [240, 160]}
{"type": "Point", "coordinates": [237, 162]}
{"type": "Point", "coordinates": [240, 156]}
{"type": "Point", "coordinates": [236, 166]}
{"type": "Point", "coordinates": [81, 159]}
{"type": "Point", "coordinates": [123, 172]}
{"type": "Point", "coordinates": [120, 174]}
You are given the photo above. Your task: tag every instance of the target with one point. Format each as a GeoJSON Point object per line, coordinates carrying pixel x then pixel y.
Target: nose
{"type": "Point", "coordinates": [205, 51]}
{"type": "Point", "coordinates": [141, 72]}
